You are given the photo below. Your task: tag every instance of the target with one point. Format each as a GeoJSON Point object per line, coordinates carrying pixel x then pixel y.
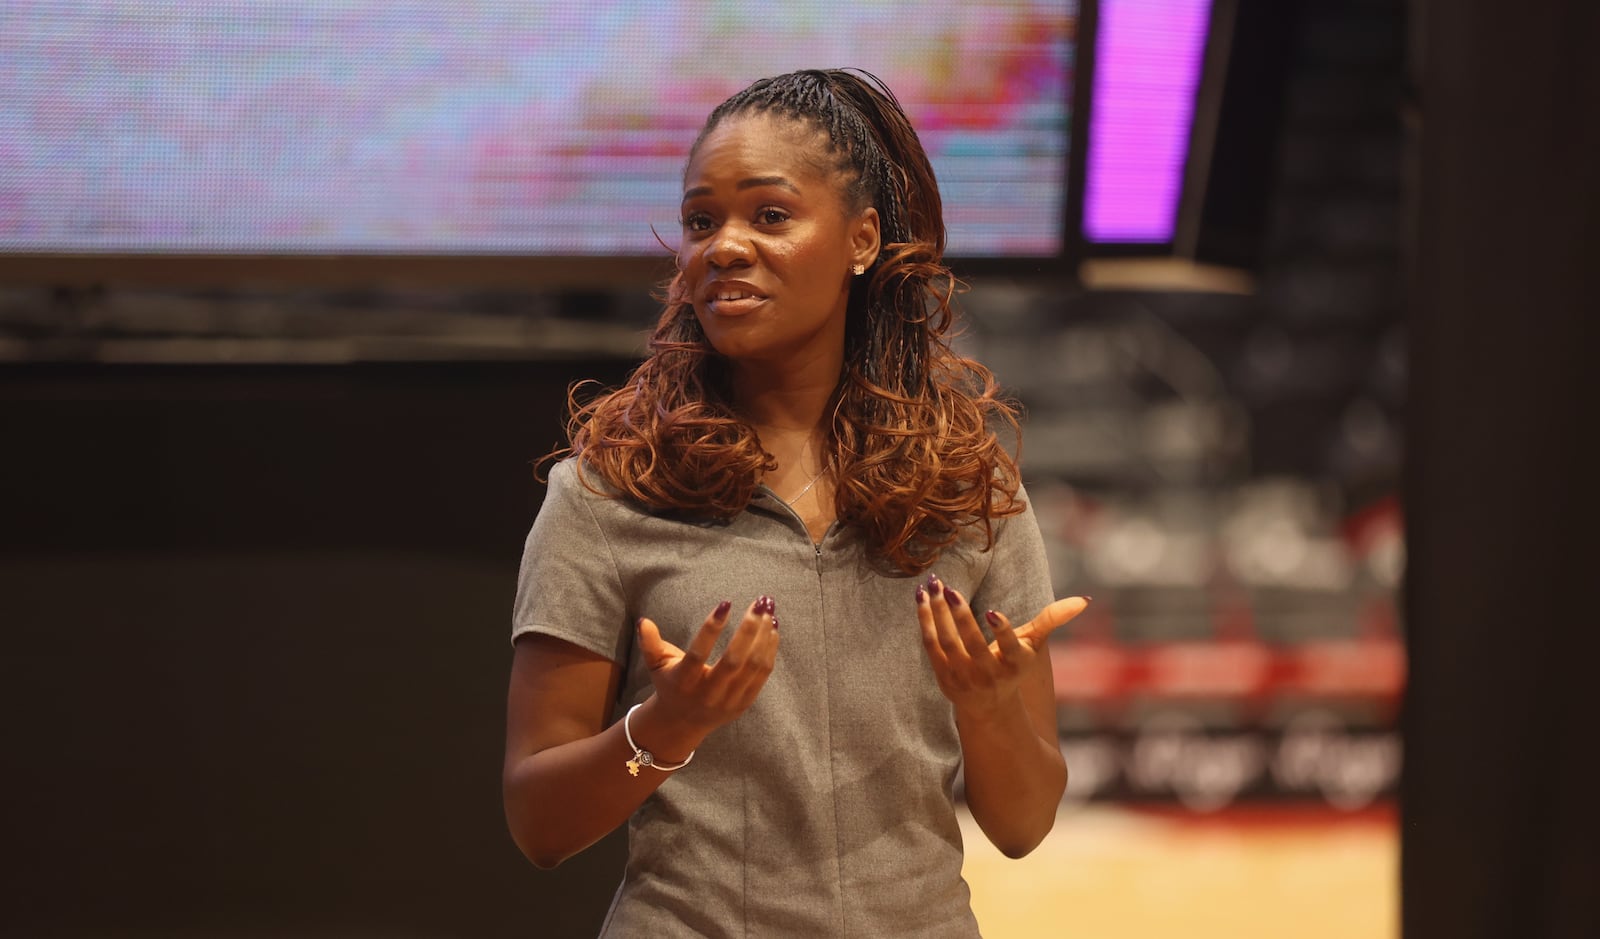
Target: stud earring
{"type": "Point", "coordinates": [858, 270]}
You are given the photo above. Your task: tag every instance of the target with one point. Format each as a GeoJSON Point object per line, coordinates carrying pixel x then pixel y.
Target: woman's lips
{"type": "Point", "coordinates": [733, 299]}
{"type": "Point", "coordinates": [734, 306]}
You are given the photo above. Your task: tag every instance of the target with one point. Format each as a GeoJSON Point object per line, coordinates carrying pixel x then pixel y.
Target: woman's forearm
{"type": "Point", "coordinates": [1014, 776]}
{"type": "Point", "coordinates": [560, 800]}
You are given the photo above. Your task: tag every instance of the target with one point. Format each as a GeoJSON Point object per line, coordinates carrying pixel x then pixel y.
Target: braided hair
{"type": "Point", "coordinates": [912, 443]}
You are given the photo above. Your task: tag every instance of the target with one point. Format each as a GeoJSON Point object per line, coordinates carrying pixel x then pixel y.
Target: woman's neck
{"type": "Point", "coordinates": [785, 400]}
{"type": "Point", "coordinates": [789, 405]}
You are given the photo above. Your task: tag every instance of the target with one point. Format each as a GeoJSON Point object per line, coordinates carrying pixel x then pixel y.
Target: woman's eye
{"type": "Point", "coordinates": [771, 216]}
{"type": "Point", "coordinates": [696, 221]}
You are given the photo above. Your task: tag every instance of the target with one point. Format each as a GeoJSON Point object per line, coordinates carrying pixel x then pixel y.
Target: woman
{"type": "Point", "coordinates": [802, 438]}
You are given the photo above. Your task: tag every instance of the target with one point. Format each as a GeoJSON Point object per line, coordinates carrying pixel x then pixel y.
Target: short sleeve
{"type": "Point", "coordinates": [1017, 579]}
{"type": "Point", "coordinates": [569, 586]}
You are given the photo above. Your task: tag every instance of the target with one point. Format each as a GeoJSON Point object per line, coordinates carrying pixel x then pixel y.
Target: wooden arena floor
{"type": "Point", "coordinates": [1109, 872]}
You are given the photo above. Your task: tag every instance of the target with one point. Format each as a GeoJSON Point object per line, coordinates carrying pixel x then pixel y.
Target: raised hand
{"type": "Point", "coordinates": [702, 695]}
{"type": "Point", "coordinates": [980, 677]}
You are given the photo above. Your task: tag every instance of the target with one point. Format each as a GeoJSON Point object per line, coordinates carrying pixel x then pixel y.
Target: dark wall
{"type": "Point", "coordinates": [256, 648]}
{"type": "Point", "coordinates": [1501, 825]}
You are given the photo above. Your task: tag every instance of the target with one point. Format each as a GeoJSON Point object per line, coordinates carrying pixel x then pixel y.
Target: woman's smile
{"type": "Point", "coordinates": [732, 298]}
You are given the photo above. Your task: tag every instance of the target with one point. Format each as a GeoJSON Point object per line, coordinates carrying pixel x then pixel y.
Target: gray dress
{"type": "Point", "coordinates": [826, 809]}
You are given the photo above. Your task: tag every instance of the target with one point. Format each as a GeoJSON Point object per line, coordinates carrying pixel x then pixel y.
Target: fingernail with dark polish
{"type": "Point", "coordinates": [933, 582]}
{"type": "Point", "coordinates": [1087, 597]}
{"type": "Point", "coordinates": [722, 609]}
{"type": "Point", "coordinates": [951, 598]}
{"type": "Point", "coordinates": [922, 595]}
{"type": "Point", "coordinates": [774, 622]}
{"type": "Point", "coordinates": [993, 618]}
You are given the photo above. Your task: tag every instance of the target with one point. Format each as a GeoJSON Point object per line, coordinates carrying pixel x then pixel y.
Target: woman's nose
{"type": "Point", "coordinates": [730, 247]}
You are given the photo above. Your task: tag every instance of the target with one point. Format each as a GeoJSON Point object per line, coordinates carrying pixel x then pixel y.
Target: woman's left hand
{"type": "Point", "coordinates": [980, 677]}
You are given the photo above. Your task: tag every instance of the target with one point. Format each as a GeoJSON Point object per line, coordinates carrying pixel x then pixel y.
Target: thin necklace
{"type": "Point", "coordinates": [809, 483]}
{"type": "Point", "coordinates": [802, 492]}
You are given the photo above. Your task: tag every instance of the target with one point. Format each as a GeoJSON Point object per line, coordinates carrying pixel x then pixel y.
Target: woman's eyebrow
{"type": "Point", "coordinates": [754, 182]}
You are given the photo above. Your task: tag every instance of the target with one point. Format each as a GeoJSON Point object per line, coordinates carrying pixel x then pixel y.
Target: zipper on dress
{"type": "Point", "coordinates": [816, 546]}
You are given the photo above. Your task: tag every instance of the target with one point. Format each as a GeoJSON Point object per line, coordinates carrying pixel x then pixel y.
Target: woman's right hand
{"type": "Point", "coordinates": [700, 696]}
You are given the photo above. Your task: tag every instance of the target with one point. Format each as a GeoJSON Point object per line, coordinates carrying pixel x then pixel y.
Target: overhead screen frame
{"type": "Point", "coordinates": [1199, 139]}
{"type": "Point", "coordinates": [513, 271]}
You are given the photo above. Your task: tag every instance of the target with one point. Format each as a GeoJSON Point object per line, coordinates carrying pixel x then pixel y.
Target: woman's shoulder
{"type": "Point", "coordinates": [572, 478]}
{"type": "Point", "coordinates": [576, 483]}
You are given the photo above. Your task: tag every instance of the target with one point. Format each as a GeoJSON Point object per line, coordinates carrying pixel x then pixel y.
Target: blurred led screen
{"type": "Point", "coordinates": [480, 126]}
{"type": "Point", "coordinates": [1148, 59]}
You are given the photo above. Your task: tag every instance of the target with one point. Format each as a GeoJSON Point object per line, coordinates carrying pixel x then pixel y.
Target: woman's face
{"type": "Point", "coordinates": [768, 241]}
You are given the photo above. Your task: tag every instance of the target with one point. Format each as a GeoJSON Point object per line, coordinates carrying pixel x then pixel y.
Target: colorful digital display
{"type": "Point", "coordinates": [483, 126]}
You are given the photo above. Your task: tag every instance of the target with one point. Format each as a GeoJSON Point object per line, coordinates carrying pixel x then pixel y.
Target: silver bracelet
{"type": "Point", "coordinates": [641, 756]}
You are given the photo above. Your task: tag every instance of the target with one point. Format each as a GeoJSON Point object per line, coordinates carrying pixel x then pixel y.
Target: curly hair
{"type": "Point", "coordinates": [912, 444]}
